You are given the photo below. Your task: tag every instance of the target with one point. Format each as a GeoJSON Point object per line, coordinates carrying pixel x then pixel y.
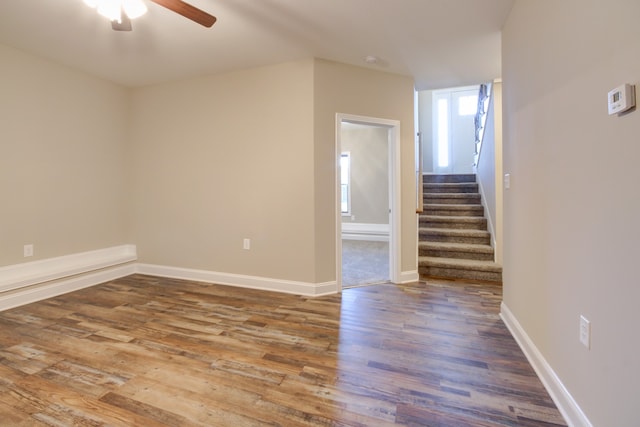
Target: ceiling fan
{"type": "Point", "coordinates": [121, 12]}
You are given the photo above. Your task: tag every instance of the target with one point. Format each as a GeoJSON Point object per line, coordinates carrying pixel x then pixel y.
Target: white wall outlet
{"type": "Point", "coordinates": [28, 250]}
{"type": "Point", "coordinates": [246, 244]}
{"type": "Point", "coordinates": [585, 332]}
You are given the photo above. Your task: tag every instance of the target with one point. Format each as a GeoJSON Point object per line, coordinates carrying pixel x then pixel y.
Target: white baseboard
{"type": "Point", "coordinates": [568, 407]}
{"type": "Point", "coordinates": [26, 274]}
{"type": "Point", "coordinates": [409, 276]}
{"type": "Point", "coordinates": [363, 231]}
{"type": "Point", "coordinates": [488, 211]}
{"type": "Point", "coordinates": [242, 281]}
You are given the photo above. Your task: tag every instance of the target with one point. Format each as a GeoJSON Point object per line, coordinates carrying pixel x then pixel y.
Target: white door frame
{"type": "Point", "coordinates": [393, 127]}
{"type": "Point", "coordinates": [451, 146]}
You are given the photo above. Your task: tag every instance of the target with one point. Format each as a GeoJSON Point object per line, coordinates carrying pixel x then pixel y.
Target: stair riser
{"type": "Point", "coordinates": [477, 256]}
{"type": "Point", "coordinates": [447, 199]}
{"type": "Point", "coordinates": [453, 214]}
{"type": "Point", "coordinates": [448, 178]}
{"type": "Point", "coordinates": [459, 188]}
{"type": "Point", "coordinates": [465, 211]}
{"type": "Point", "coordinates": [443, 238]}
{"type": "Point", "coordinates": [454, 273]}
{"type": "Point", "coordinates": [480, 224]}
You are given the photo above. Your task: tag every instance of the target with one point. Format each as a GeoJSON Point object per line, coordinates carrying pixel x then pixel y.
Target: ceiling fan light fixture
{"type": "Point", "coordinates": [113, 9]}
{"type": "Point", "coordinates": [110, 9]}
{"type": "Point", "coordinates": [134, 8]}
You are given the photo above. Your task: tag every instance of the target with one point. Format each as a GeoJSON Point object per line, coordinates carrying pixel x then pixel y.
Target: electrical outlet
{"type": "Point", "coordinates": [246, 244]}
{"type": "Point", "coordinates": [28, 250]}
{"type": "Point", "coordinates": [585, 332]}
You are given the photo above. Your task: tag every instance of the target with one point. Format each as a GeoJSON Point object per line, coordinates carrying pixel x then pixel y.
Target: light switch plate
{"type": "Point", "coordinates": [585, 332]}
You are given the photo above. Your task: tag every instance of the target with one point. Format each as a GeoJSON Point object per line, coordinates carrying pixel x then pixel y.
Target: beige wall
{"type": "Point", "coordinates": [231, 156]}
{"type": "Point", "coordinates": [187, 170]}
{"type": "Point", "coordinates": [425, 111]}
{"type": "Point", "coordinates": [489, 168]}
{"type": "Point", "coordinates": [369, 149]}
{"type": "Point", "coordinates": [62, 159]}
{"type": "Point", "coordinates": [346, 89]}
{"type": "Point", "coordinates": [224, 158]}
{"type": "Point", "coordinates": [571, 227]}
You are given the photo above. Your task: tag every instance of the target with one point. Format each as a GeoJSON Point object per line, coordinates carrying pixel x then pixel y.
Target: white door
{"type": "Point", "coordinates": [454, 111]}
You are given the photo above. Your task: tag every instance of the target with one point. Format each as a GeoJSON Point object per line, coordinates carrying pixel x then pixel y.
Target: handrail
{"type": "Point", "coordinates": [484, 93]}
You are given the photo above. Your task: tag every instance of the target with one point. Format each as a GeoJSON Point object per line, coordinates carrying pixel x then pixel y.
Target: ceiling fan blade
{"type": "Point", "coordinates": [123, 25]}
{"type": "Point", "coordinates": [188, 11]}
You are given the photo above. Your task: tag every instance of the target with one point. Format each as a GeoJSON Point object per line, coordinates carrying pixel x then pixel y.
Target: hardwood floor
{"type": "Point", "coordinates": [148, 351]}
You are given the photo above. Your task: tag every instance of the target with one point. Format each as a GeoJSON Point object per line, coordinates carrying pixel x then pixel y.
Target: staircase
{"type": "Point", "coordinates": [453, 239]}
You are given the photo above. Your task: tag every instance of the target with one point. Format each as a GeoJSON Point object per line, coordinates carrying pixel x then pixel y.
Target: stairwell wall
{"type": "Point", "coordinates": [489, 169]}
{"type": "Point", "coordinates": [425, 114]}
{"type": "Point", "coordinates": [571, 215]}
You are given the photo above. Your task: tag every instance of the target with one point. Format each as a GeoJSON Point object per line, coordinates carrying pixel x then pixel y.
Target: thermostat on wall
{"type": "Point", "coordinates": [622, 98]}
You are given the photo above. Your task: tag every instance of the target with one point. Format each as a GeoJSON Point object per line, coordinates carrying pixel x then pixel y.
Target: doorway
{"type": "Point", "coordinates": [367, 193]}
{"type": "Point", "coordinates": [454, 112]}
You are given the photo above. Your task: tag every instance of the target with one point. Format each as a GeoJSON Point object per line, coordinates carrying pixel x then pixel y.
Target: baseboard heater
{"type": "Point", "coordinates": [364, 231]}
{"type": "Point", "coordinates": [35, 280]}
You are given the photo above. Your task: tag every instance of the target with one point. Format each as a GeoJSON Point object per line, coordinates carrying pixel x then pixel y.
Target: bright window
{"type": "Point", "coordinates": [345, 181]}
{"type": "Point", "coordinates": [443, 133]}
{"type": "Point", "coordinates": [468, 105]}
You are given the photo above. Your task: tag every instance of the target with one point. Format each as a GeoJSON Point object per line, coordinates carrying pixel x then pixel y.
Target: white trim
{"type": "Point", "coordinates": [492, 230]}
{"type": "Point", "coordinates": [568, 407]}
{"type": "Point", "coordinates": [364, 231]}
{"type": "Point", "coordinates": [18, 276]}
{"type": "Point", "coordinates": [395, 204]}
{"type": "Point", "coordinates": [409, 277]}
{"type": "Point", "coordinates": [238, 280]}
{"type": "Point", "coordinates": [49, 290]}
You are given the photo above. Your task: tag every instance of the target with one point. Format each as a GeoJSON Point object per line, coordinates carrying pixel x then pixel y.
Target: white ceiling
{"type": "Point", "coordinates": [440, 43]}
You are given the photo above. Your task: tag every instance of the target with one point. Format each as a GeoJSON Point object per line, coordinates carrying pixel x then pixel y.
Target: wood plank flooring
{"type": "Point", "coordinates": [147, 351]}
